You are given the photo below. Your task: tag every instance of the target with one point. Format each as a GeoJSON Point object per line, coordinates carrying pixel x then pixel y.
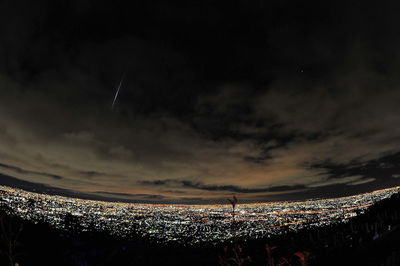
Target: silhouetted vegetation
{"type": "Point", "coordinates": [11, 229]}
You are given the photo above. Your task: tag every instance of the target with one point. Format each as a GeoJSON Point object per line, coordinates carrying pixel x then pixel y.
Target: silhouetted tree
{"type": "Point", "coordinates": [234, 256]}
{"type": "Point", "coordinates": [303, 257]}
{"type": "Point", "coordinates": [10, 232]}
{"type": "Point", "coordinates": [270, 258]}
{"type": "Point", "coordinates": [233, 202]}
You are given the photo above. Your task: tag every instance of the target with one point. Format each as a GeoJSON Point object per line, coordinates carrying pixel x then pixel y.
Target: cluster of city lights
{"type": "Point", "coordinates": [187, 223]}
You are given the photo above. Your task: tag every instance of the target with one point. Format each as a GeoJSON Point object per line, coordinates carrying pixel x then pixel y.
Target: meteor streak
{"type": "Point", "coordinates": [116, 94]}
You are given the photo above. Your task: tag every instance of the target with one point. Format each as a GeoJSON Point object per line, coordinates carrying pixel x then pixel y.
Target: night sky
{"type": "Point", "coordinates": [268, 100]}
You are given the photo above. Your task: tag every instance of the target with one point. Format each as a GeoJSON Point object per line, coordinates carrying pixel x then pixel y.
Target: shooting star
{"type": "Point", "coordinates": [116, 94]}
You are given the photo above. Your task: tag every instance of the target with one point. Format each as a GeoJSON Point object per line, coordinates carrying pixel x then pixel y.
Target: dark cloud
{"type": "Point", "coordinates": [257, 160]}
{"type": "Point", "coordinates": [42, 188]}
{"type": "Point", "coordinates": [91, 174]}
{"type": "Point", "coordinates": [381, 168]}
{"type": "Point", "coordinates": [230, 188]}
{"type": "Point", "coordinates": [131, 196]}
{"type": "Point", "coordinates": [260, 97]}
{"type": "Point", "coordinates": [22, 171]}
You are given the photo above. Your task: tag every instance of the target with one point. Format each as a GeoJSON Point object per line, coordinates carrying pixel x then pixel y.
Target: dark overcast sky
{"type": "Point", "coordinates": [273, 100]}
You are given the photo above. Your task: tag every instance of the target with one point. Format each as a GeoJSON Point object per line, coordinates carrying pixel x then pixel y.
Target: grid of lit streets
{"type": "Point", "coordinates": [189, 224]}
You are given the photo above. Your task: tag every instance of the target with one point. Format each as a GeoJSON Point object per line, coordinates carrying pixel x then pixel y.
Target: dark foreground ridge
{"type": "Point", "coordinates": [371, 238]}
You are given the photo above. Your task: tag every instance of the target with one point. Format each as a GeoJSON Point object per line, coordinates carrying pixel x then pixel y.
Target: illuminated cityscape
{"type": "Point", "coordinates": [189, 224]}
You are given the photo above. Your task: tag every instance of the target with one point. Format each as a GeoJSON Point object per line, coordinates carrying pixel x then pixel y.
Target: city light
{"type": "Point", "coordinates": [189, 224]}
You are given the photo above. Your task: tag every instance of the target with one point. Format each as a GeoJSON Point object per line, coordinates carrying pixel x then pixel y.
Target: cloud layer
{"type": "Point", "coordinates": [208, 109]}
